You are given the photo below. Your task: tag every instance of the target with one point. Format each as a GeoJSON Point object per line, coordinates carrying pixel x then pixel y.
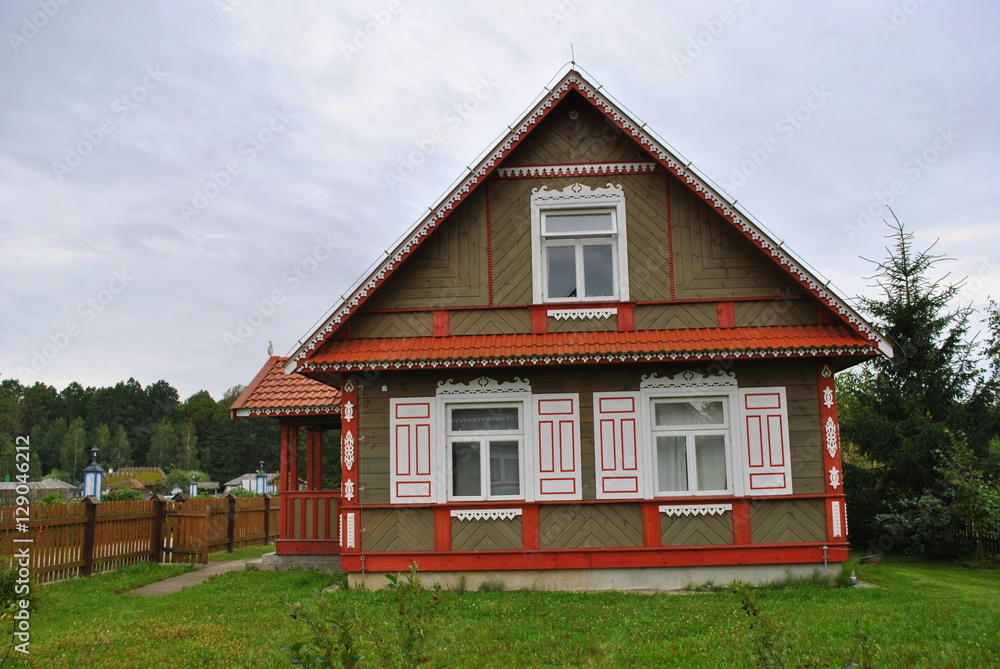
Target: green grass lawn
{"type": "Point", "coordinates": [922, 614]}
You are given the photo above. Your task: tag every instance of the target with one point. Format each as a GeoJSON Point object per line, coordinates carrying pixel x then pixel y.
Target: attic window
{"type": "Point", "coordinates": [579, 251]}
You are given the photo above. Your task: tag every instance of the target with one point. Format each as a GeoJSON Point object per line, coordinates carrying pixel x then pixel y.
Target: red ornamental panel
{"type": "Point", "coordinates": [832, 467]}
{"type": "Point", "coordinates": [412, 452]}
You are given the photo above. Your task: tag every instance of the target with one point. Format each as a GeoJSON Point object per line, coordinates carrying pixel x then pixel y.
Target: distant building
{"type": "Point", "coordinates": [38, 490]}
{"type": "Point", "coordinates": [249, 482]}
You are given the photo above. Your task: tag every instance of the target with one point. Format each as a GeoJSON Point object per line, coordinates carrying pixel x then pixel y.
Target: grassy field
{"type": "Point", "coordinates": [921, 614]}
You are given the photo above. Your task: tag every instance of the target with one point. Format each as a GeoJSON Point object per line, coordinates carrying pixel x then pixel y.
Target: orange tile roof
{"type": "Point", "coordinates": [275, 393]}
{"type": "Point", "coordinates": [576, 347]}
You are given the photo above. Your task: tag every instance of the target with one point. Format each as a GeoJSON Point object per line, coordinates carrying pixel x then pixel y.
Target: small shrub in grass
{"type": "Point", "coordinates": [51, 498]}
{"type": "Point", "coordinates": [124, 495]}
{"type": "Point", "coordinates": [338, 637]}
{"type": "Point", "coordinates": [493, 584]}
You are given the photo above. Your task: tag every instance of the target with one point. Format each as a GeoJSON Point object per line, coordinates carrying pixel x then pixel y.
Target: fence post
{"type": "Point", "coordinates": [267, 519]}
{"type": "Point", "coordinates": [89, 534]}
{"type": "Point", "coordinates": [231, 530]}
{"type": "Point", "coordinates": [159, 512]}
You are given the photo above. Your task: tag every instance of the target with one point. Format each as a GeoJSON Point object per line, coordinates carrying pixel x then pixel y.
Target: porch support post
{"type": "Point", "coordinates": [350, 462]}
{"type": "Point", "coordinates": [833, 469]}
{"type": "Point", "coordinates": [283, 452]}
{"type": "Point", "coordinates": [293, 457]}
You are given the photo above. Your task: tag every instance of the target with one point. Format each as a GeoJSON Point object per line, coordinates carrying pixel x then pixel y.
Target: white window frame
{"type": "Point", "coordinates": [578, 198]}
{"type": "Point", "coordinates": [483, 437]}
{"type": "Point", "coordinates": [689, 432]}
{"type": "Point", "coordinates": [729, 395]}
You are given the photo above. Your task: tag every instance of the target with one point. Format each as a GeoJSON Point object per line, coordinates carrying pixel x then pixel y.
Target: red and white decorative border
{"type": "Point", "coordinates": [274, 412]}
{"type": "Point", "coordinates": [585, 358]}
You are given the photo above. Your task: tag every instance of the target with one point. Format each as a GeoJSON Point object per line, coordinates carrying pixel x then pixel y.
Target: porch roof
{"type": "Point", "coordinates": [590, 347]}
{"type": "Point", "coordinates": [274, 393]}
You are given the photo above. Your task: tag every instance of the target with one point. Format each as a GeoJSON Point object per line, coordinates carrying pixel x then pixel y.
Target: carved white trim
{"type": "Point", "coordinates": [485, 514]}
{"type": "Point", "coordinates": [834, 478]}
{"type": "Point", "coordinates": [846, 531]}
{"type": "Point", "coordinates": [695, 509]}
{"type": "Point", "coordinates": [580, 314]}
{"type": "Point", "coordinates": [688, 379]}
{"type": "Point", "coordinates": [835, 514]}
{"type": "Point", "coordinates": [826, 371]}
{"type": "Point", "coordinates": [340, 528]}
{"type": "Point", "coordinates": [590, 169]}
{"type": "Point", "coordinates": [670, 356]}
{"type": "Point", "coordinates": [488, 164]}
{"type": "Point", "coordinates": [288, 411]}
{"type": "Point", "coordinates": [349, 489]}
{"type": "Point", "coordinates": [483, 385]}
{"type": "Point", "coordinates": [348, 411]}
{"type": "Point", "coordinates": [349, 386]}
{"type": "Point", "coordinates": [542, 196]}
{"type": "Point", "coordinates": [349, 449]}
{"type": "Point", "coordinates": [350, 530]}
{"type": "Point", "coordinates": [831, 437]}
{"type": "Point", "coordinates": [828, 397]}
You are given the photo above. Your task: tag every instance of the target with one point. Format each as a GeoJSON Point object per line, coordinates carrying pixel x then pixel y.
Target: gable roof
{"type": "Point", "coordinates": [273, 393]}
{"type": "Point", "coordinates": [575, 81]}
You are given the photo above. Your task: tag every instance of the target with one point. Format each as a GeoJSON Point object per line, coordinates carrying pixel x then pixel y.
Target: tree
{"type": "Point", "coordinates": [899, 415]}
{"type": "Point", "coordinates": [101, 439]}
{"type": "Point", "coordinates": [162, 445]}
{"type": "Point", "coordinates": [73, 454]}
{"type": "Point", "coordinates": [119, 453]}
{"type": "Point", "coordinates": [187, 451]}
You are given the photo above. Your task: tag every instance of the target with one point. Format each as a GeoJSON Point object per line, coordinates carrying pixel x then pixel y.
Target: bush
{"type": "Point", "coordinates": [52, 498]}
{"type": "Point", "coordinates": [242, 492]}
{"type": "Point", "coordinates": [124, 495]}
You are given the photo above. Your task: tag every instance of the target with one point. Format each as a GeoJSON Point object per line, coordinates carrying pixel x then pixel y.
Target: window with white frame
{"type": "Point", "coordinates": [691, 445]}
{"type": "Point", "coordinates": [484, 450]}
{"type": "Point", "coordinates": [579, 249]}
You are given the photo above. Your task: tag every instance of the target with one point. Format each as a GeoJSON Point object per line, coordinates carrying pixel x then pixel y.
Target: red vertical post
{"type": "Point", "coordinates": [310, 458]}
{"type": "Point", "coordinates": [741, 522]}
{"type": "Point", "coordinates": [318, 460]}
{"type": "Point", "coordinates": [293, 457]}
{"type": "Point", "coordinates": [651, 524]}
{"type": "Point", "coordinates": [833, 477]}
{"type": "Point", "coordinates": [442, 529]}
{"type": "Point", "coordinates": [350, 466]}
{"type": "Point", "coordinates": [529, 527]}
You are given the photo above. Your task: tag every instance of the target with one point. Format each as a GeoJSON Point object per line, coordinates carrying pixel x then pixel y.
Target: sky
{"type": "Point", "coordinates": [183, 182]}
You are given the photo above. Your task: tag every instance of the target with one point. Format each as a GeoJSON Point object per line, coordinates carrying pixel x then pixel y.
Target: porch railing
{"type": "Point", "coordinates": [310, 522]}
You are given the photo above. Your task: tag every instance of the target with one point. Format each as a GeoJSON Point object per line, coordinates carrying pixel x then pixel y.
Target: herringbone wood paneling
{"type": "Point", "coordinates": [583, 325]}
{"type": "Point", "coordinates": [696, 530]}
{"type": "Point", "coordinates": [590, 138]}
{"type": "Point", "coordinates": [776, 312]}
{"type": "Point", "coordinates": [449, 267]}
{"type": "Point", "coordinates": [590, 526]}
{"type": "Point", "coordinates": [499, 321]}
{"type": "Point", "coordinates": [713, 260]}
{"type": "Point", "coordinates": [483, 535]}
{"type": "Point", "coordinates": [398, 530]}
{"type": "Point", "coordinates": [773, 522]}
{"type": "Point", "coordinates": [676, 316]}
{"type": "Point", "coordinates": [511, 214]}
{"type": "Point", "coordinates": [371, 326]}
{"type": "Point", "coordinates": [648, 246]}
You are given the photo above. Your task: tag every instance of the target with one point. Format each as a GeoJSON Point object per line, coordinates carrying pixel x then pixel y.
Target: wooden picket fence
{"type": "Point", "coordinates": [79, 539]}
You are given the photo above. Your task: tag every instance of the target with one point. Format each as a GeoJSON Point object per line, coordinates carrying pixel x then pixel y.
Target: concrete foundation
{"type": "Point", "coordinates": [648, 579]}
{"type": "Point", "coordinates": [275, 562]}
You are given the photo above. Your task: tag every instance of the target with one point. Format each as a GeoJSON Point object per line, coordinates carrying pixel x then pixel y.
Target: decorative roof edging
{"type": "Point", "coordinates": [587, 358]}
{"type": "Point", "coordinates": [485, 514]}
{"type": "Point", "coordinates": [574, 80]}
{"type": "Point", "coordinates": [695, 509]}
{"type": "Point", "coordinates": [288, 411]}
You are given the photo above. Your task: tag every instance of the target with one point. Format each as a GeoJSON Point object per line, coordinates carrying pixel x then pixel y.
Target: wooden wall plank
{"type": "Point", "coordinates": [696, 530]}
{"type": "Point", "coordinates": [773, 522]}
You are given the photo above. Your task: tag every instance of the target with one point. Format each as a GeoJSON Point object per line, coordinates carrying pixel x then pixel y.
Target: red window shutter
{"type": "Point", "coordinates": [557, 447]}
{"type": "Point", "coordinates": [767, 461]}
{"type": "Point", "coordinates": [411, 448]}
{"type": "Point", "coordinates": [617, 446]}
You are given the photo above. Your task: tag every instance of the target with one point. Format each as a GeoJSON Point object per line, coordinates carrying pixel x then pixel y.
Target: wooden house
{"type": "Point", "coordinates": [586, 368]}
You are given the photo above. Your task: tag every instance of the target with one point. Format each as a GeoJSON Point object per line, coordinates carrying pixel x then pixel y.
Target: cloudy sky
{"type": "Point", "coordinates": [170, 169]}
